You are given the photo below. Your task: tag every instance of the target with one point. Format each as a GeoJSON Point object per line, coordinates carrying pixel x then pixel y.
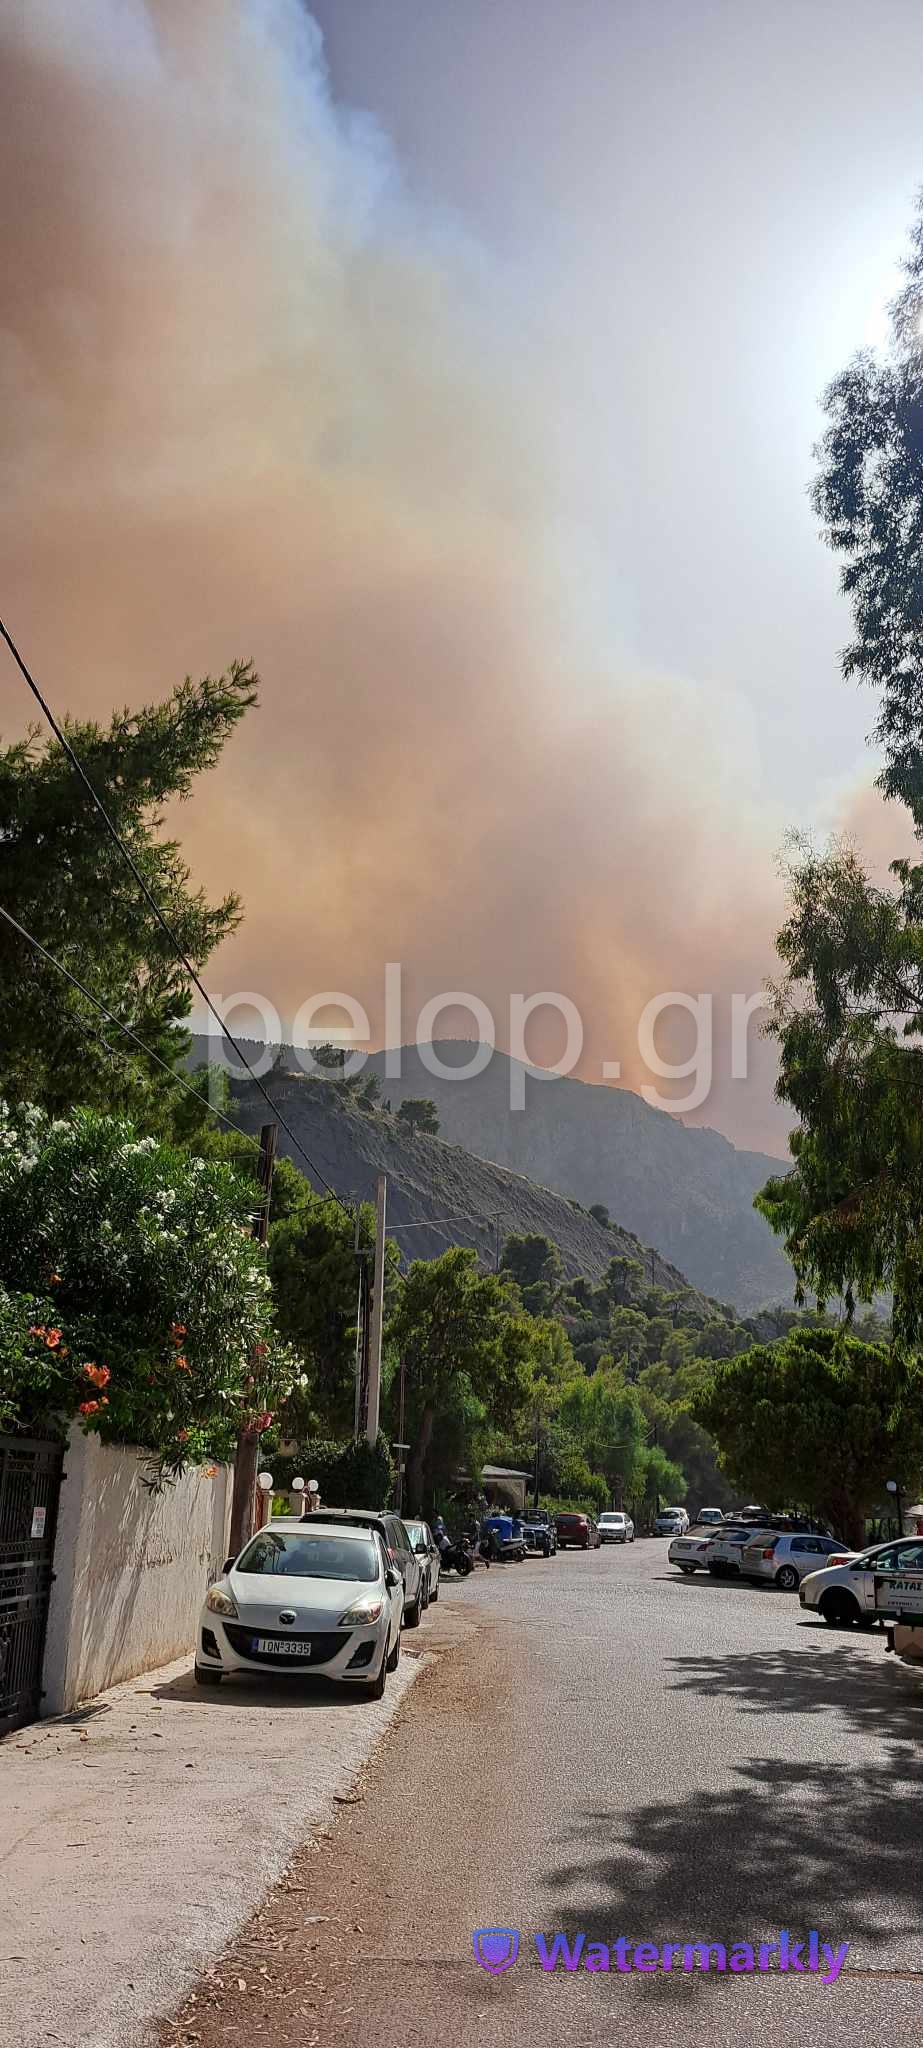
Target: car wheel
{"type": "Point", "coordinates": [840, 1609]}
{"type": "Point", "coordinates": [376, 1691]}
{"type": "Point", "coordinates": [412, 1614]}
{"type": "Point", "coordinates": [205, 1676]}
{"type": "Point", "coordinates": [435, 1593]}
{"type": "Point", "coordinates": [689, 1568]}
{"type": "Point", "coordinates": [424, 1596]}
{"type": "Point", "coordinates": [787, 1578]}
{"type": "Point", "coordinates": [392, 1660]}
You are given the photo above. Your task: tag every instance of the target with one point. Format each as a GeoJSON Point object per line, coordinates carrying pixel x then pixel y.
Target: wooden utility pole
{"type": "Point", "coordinates": [377, 1315]}
{"type": "Point", "coordinates": [247, 1453]}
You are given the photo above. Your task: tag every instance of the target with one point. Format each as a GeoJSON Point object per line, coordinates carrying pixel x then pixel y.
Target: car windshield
{"type": "Point", "coordinates": [276, 1553]}
{"type": "Point", "coordinates": [415, 1531]}
{"type": "Point", "coordinates": [612, 1518]}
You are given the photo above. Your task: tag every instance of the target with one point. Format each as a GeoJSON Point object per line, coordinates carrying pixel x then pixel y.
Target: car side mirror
{"type": "Point", "coordinates": [392, 1578]}
{"type": "Point", "coordinates": [420, 1548]}
{"type": "Point", "coordinates": [229, 1563]}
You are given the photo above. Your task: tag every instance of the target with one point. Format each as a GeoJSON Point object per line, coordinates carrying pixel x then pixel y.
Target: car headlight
{"type": "Point", "coordinates": [367, 1609]}
{"type": "Point", "coordinates": [218, 1602]}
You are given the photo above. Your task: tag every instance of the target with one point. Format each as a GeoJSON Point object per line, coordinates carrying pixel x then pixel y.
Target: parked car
{"type": "Point", "coordinates": [299, 1599]}
{"type": "Point", "coordinates": [540, 1533]}
{"type": "Point", "coordinates": [785, 1560]}
{"type": "Point", "coordinates": [884, 1580]}
{"type": "Point", "coordinates": [671, 1522]}
{"type": "Point", "coordinates": [616, 1528]}
{"type": "Point", "coordinates": [424, 1546]}
{"type": "Point", "coordinates": [398, 1546]}
{"type": "Point", "coordinates": [690, 1550]}
{"type": "Point", "coordinates": [509, 1536]}
{"type": "Point", "coordinates": [576, 1530]}
{"type": "Point", "coordinates": [709, 1518]}
{"type": "Point", "coordinates": [737, 1531]}
{"type": "Point", "coordinates": [725, 1548]}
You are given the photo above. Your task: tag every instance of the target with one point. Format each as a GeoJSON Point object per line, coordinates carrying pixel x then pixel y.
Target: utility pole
{"type": "Point", "coordinates": [378, 1305]}
{"type": "Point", "coordinates": [400, 1447]}
{"type": "Point", "coordinates": [247, 1452]}
{"type": "Point", "coordinates": [362, 1323]}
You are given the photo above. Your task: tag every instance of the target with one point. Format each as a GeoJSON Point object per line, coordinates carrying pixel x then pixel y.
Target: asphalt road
{"type": "Point", "coordinates": [601, 1745]}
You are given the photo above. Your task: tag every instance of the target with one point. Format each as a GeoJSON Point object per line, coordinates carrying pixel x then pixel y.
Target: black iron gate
{"type": "Point", "coordinates": [30, 1477]}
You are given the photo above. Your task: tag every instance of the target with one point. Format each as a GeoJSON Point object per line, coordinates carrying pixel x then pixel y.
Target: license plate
{"type": "Point", "coordinates": [271, 1646]}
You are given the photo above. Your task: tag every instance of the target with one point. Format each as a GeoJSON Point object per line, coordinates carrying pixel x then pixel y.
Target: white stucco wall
{"type": "Point", "coordinates": [131, 1569]}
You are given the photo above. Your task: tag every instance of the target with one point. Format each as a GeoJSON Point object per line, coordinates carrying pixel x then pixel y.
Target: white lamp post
{"type": "Point", "coordinates": [264, 1482]}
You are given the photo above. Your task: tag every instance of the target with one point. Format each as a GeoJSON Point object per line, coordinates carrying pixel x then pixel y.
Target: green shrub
{"type": "Point", "coordinates": [349, 1475]}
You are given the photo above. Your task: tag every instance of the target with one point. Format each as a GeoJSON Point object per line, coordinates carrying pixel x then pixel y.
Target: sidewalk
{"type": "Point", "coordinates": [135, 1837]}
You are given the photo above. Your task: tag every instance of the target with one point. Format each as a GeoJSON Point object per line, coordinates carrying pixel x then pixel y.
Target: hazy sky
{"type": "Point", "coordinates": [460, 364]}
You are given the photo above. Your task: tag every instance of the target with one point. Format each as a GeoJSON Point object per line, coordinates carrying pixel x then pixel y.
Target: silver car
{"type": "Point", "coordinates": [426, 1550]}
{"type": "Point", "coordinates": [784, 1560]}
{"type": "Point", "coordinates": [616, 1528]}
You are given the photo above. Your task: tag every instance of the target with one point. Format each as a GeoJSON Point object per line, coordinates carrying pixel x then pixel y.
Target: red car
{"type": "Point", "coordinates": [579, 1530]}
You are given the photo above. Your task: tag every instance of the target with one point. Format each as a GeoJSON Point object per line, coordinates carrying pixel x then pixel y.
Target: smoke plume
{"type": "Point", "coordinates": [259, 399]}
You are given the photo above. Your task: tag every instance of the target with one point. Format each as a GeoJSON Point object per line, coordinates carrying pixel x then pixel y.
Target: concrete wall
{"type": "Point", "coordinates": [132, 1567]}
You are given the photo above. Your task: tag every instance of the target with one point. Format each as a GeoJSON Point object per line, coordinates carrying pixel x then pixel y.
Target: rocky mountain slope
{"type": "Point", "coordinates": [443, 1191]}
{"type": "Point", "coordinates": [687, 1191]}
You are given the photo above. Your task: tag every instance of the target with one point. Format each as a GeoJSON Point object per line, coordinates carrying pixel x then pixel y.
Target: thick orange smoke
{"type": "Point", "coordinates": [258, 401]}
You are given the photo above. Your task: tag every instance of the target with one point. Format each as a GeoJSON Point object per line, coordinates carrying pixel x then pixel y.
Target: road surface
{"type": "Point", "coordinates": [600, 1745]}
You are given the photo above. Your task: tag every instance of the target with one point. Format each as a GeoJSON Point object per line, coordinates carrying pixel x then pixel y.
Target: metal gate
{"type": "Point", "coordinates": [30, 1478]}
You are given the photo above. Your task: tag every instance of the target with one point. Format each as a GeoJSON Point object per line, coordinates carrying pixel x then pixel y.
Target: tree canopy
{"type": "Point", "coordinates": [819, 1420]}
{"type": "Point", "coordinates": [419, 1113]}
{"type": "Point", "coordinates": [869, 497]}
{"type": "Point", "coordinates": [847, 1019]}
{"type": "Point", "coordinates": [466, 1352]}
{"type": "Point", "coordinates": [848, 1011]}
{"type": "Point", "coordinates": [147, 1298]}
{"type": "Point", "coordinates": [68, 885]}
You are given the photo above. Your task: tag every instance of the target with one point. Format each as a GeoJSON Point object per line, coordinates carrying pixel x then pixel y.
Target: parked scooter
{"type": "Point", "coordinates": [453, 1557]}
{"type": "Point", "coordinates": [457, 1558]}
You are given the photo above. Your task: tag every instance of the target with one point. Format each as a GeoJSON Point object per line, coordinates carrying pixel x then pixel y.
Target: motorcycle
{"type": "Point", "coordinates": [456, 1558]}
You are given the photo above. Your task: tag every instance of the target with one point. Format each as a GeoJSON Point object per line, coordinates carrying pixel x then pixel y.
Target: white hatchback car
{"type": "Point", "coordinates": [616, 1528]}
{"type": "Point", "coordinates": [785, 1559]}
{"type": "Point", "coordinates": [304, 1597]}
{"type": "Point", "coordinates": [885, 1580]}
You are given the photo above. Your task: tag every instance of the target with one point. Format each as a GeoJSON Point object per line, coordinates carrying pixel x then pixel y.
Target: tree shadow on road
{"type": "Point", "coordinates": [788, 1842]}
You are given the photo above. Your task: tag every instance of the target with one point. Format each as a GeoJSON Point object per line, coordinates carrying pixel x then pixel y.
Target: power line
{"type": "Point", "coordinates": [150, 898]}
{"type": "Point", "coordinates": [433, 1222]}
{"type": "Point", "coordinates": [120, 1024]}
